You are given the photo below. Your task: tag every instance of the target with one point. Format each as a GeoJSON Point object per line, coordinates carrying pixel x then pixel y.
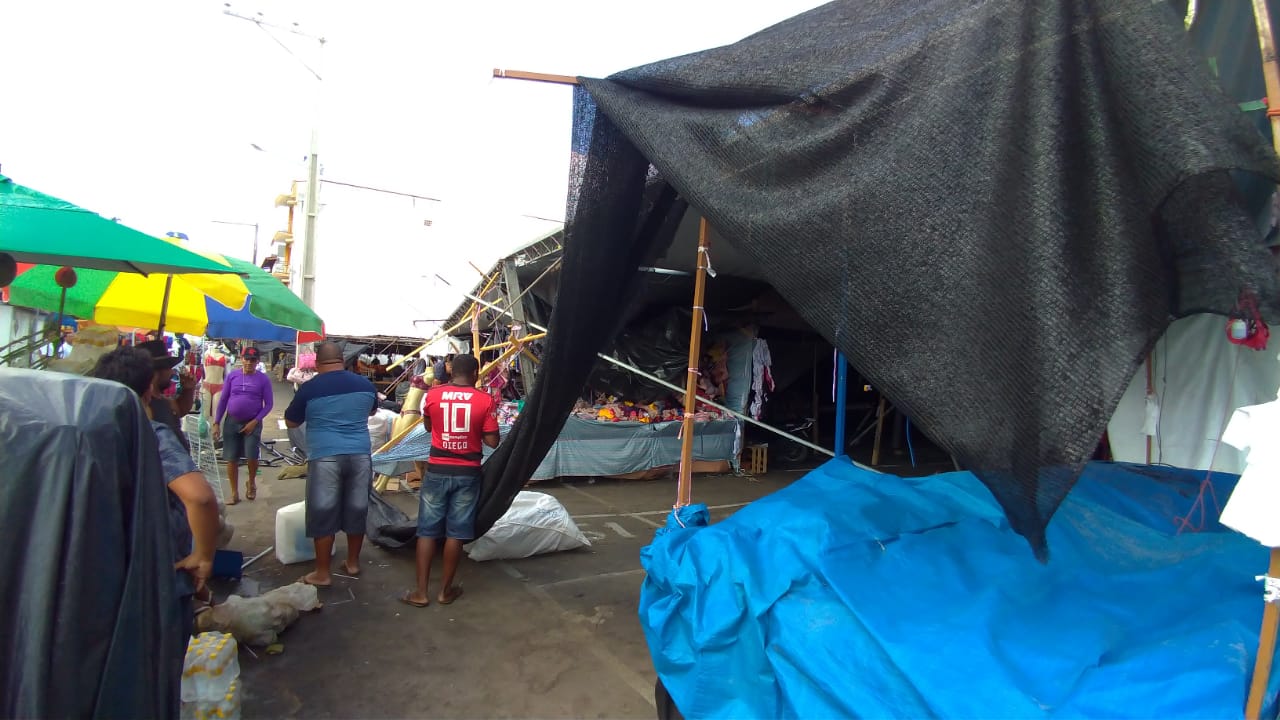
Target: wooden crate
{"type": "Point", "coordinates": [755, 459]}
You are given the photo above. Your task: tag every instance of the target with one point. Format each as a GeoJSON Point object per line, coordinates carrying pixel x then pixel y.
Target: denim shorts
{"type": "Point", "coordinates": [338, 495]}
{"type": "Point", "coordinates": [447, 506]}
{"type": "Point", "coordinates": [236, 446]}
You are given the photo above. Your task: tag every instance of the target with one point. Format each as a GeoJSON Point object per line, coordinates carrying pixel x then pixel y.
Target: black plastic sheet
{"type": "Point", "coordinates": [90, 622]}
{"type": "Point", "coordinates": [388, 527]}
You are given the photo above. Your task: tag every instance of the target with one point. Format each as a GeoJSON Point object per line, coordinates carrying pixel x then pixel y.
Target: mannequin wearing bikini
{"type": "Point", "coordinates": [215, 371]}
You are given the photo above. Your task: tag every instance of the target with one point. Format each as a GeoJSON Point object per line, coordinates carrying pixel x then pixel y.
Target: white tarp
{"type": "Point", "coordinates": [1199, 379]}
{"type": "Point", "coordinates": [1253, 504]}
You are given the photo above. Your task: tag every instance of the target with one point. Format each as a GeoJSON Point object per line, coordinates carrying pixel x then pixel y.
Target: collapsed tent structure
{"type": "Point", "coordinates": [994, 210]}
{"type": "Point", "coordinates": [1000, 283]}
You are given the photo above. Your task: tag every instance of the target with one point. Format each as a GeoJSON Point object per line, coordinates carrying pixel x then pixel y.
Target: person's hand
{"type": "Point", "coordinates": [187, 378]}
{"type": "Point", "coordinates": [249, 426]}
{"type": "Point", "coordinates": [199, 568]}
{"type": "Point", "coordinates": [217, 432]}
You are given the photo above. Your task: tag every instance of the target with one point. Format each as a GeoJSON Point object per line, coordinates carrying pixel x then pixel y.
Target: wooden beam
{"type": "Point", "coordinates": [535, 77]}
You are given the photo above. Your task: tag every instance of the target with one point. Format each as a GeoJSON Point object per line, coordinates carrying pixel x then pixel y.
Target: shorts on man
{"type": "Point", "coordinates": [238, 445]}
{"type": "Point", "coordinates": [338, 494]}
{"type": "Point", "coordinates": [447, 506]}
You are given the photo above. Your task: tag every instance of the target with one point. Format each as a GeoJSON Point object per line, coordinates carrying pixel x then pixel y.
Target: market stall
{"type": "Point", "coordinates": [631, 427]}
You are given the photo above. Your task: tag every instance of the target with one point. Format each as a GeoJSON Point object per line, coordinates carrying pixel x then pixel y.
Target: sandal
{"type": "Point", "coordinates": [235, 500]}
{"type": "Point", "coordinates": [410, 601]}
{"type": "Point", "coordinates": [251, 492]}
{"type": "Point", "coordinates": [445, 600]}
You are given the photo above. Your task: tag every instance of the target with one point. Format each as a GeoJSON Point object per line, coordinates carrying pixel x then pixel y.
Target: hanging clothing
{"type": "Point", "coordinates": [761, 376]}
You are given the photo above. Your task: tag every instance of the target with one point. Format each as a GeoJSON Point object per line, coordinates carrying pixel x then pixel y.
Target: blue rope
{"type": "Point", "coordinates": [909, 448]}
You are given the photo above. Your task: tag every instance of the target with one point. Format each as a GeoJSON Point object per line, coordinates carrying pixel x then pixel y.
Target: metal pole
{"type": "Point", "coordinates": [62, 309]}
{"type": "Point", "coordinates": [255, 243]}
{"type": "Point", "coordinates": [309, 235]}
{"type": "Point", "coordinates": [842, 397]}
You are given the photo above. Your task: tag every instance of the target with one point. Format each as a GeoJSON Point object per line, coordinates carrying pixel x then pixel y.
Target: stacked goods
{"type": "Point", "coordinates": [210, 677]}
{"type": "Point", "coordinates": [90, 343]}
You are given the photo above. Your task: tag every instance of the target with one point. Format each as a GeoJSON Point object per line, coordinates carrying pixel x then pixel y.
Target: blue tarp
{"type": "Point", "coordinates": [856, 594]}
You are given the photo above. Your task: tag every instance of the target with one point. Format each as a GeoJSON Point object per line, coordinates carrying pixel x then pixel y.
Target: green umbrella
{"type": "Point", "coordinates": [39, 228]}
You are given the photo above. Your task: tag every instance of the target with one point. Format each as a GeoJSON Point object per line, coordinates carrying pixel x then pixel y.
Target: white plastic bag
{"type": "Point", "coordinates": [535, 524]}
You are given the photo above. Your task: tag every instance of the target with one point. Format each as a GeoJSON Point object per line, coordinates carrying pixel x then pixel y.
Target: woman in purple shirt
{"type": "Point", "coordinates": [245, 400]}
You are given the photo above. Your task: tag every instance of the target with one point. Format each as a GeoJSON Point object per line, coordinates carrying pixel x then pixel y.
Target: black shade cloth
{"type": "Point", "coordinates": [90, 621]}
{"type": "Point", "coordinates": [993, 208]}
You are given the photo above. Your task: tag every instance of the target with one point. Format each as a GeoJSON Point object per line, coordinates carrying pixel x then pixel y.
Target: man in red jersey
{"type": "Point", "coordinates": [462, 420]}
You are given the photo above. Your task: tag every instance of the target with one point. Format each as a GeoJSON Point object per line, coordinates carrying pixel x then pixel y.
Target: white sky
{"type": "Point", "coordinates": [146, 109]}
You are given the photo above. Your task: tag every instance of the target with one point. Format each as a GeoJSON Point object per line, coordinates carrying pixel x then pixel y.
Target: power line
{"type": "Point", "coordinates": [379, 190]}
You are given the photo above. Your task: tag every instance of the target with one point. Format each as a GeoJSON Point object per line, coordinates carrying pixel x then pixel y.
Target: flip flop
{"type": "Point", "coordinates": [409, 601]}
{"type": "Point", "coordinates": [251, 493]}
{"type": "Point", "coordinates": [322, 586]}
{"type": "Point", "coordinates": [233, 501]}
{"type": "Point", "coordinates": [457, 593]}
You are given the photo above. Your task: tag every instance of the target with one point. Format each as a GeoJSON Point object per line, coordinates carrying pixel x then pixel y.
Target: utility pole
{"type": "Point", "coordinates": [312, 201]}
{"type": "Point", "coordinates": [255, 234]}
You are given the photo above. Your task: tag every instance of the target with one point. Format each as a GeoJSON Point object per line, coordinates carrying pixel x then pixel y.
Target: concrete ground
{"type": "Point", "coordinates": [550, 636]}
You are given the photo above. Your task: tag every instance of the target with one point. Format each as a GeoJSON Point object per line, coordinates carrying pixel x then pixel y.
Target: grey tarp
{"type": "Point", "coordinates": [586, 448]}
{"type": "Point", "coordinates": [89, 617]}
{"type": "Point", "coordinates": [993, 207]}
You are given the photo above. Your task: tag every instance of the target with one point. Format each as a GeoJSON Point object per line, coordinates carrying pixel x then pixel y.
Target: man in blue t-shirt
{"type": "Point", "coordinates": [335, 405]}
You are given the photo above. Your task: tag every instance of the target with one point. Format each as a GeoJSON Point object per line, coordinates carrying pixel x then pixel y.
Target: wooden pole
{"type": "Point", "coordinates": [1151, 388]}
{"type": "Point", "coordinates": [475, 331]}
{"type": "Point", "coordinates": [875, 449]}
{"type": "Point", "coordinates": [1270, 612]}
{"type": "Point", "coordinates": [535, 76]}
{"type": "Point", "coordinates": [515, 348]}
{"type": "Point", "coordinates": [506, 344]}
{"type": "Point", "coordinates": [164, 304]}
{"type": "Point", "coordinates": [684, 491]}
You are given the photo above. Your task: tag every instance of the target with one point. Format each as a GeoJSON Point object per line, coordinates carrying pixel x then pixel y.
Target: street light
{"type": "Point", "coordinates": [313, 166]}
{"type": "Point", "coordinates": [255, 234]}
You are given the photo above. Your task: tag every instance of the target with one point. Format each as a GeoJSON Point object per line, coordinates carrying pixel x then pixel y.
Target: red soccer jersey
{"type": "Point", "coordinates": [460, 416]}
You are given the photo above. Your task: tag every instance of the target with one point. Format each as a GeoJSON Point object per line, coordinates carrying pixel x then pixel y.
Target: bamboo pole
{"type": "Point", "coordinates": [515, 348]}
{"type": "Point", "coordinates": [475, 331]}
{"type": "Point", "coordinates": [1270, 612]}
{"type": "Point", "coordinates": [684, 491]}
{"type": "Point", "coordinates": [535, 76]}
{"type": "Point", "coordinates": [507, 343]}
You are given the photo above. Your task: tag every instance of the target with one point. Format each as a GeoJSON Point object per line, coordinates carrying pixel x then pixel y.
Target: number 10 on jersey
{"type": "Point", "coordinates": [457, 417]}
